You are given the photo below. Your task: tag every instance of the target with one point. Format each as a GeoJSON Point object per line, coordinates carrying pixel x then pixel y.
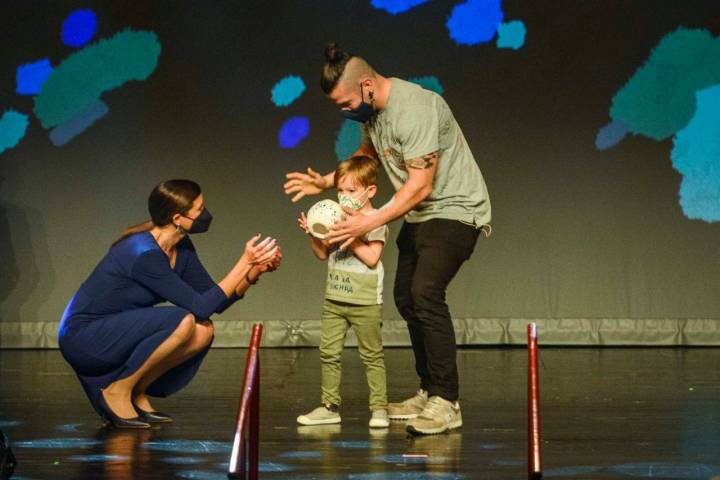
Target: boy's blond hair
{"type": "Point", "coordinates": [364, 170]}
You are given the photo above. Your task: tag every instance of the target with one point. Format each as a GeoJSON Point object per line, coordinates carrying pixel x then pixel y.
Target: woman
{"type": "Point", "coordinates": [124, 348]}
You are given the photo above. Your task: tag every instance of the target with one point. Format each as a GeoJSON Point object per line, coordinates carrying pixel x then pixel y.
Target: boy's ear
{"type": "Point", "coordinates": [372, 190]}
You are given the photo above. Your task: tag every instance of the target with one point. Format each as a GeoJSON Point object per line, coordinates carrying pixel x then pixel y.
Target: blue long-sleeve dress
{"type": "Point", "coordinates": [112, 323]}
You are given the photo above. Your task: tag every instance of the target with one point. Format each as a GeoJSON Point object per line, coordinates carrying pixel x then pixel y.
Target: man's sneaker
{"type": "Point", "coordinates": [438, 416]}
{"type": "Point", "coordinates": [410, 408]}
{"type": "Point", "coordinates": [379, 419]}
{"type": "Point", "coordinates": [323, 415]}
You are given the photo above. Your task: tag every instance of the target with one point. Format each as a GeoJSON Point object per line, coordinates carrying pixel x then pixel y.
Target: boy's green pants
{"type": "Point", "coordinates": [366, 322]}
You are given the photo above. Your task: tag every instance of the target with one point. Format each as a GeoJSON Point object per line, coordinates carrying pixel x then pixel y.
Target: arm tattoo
{"type": "Point", "coordinates": [423, 163]}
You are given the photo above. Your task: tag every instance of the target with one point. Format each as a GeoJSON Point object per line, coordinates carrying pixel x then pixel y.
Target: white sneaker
{"type": "Point", "coordinates": [409, 408]}
{"type": "Point", "coordinates": [438, 416]}
{"type": "Point", "coordinates": [379, 419]}
{"type": "Point", "coordinates": [322, 415]}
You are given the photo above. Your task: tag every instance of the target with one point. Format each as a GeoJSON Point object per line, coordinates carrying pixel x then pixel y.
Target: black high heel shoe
{"type": "Point", "coordinates": [153, 417]}
{"type": "Point", "coordinates": [118, 422]}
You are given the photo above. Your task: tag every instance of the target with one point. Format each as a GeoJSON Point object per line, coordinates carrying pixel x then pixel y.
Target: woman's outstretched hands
{"type": "Point", "coordinates": [258, 253]}
{"type": "Point", "coordinates": [310, 183]}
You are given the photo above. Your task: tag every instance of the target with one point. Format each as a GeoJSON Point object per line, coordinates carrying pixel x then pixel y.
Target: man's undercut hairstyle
{"type": "Point", "coordinates": [342, 66]}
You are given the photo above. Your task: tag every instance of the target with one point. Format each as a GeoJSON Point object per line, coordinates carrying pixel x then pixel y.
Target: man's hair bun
{"type": "Point", "coordinates": [333, 54]}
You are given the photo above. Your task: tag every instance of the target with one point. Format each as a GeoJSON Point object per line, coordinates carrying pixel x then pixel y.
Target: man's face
{"type": "Point", "coordinates": [346, 98]}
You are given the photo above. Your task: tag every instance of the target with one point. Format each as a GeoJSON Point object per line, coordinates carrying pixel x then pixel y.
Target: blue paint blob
{"type": "Point", "coordinates": [69, 427]}
{"type": "Point", "coordinates": [406, 476]}
{"type": "Point", "coordinates": [393, 7]}
{"type": "Point", "coordinates": [353, 444]}
{"type": "Point", "coordinates": [293, 131]}
{"type": "Point", "coordinates": [201, 475]}
{"type": "Point", "coordinates": [189, 446]}
{"type": "Point", "coordinates": [667, 470]}
{"type": "Point", "coordinates": [429, 83]}
{"type": "Point", "coordinates": [474, 21]}
{"type": "Point", "coordinates": [59, 443]}
{"type": "Point", "coordinates": [287, 90]}
{"type": "Point", "coordinates": [395, 459]}
{"type": "Point", "coordinates": [79, 28]}
{"type": "Point", "coordinates": [511, 35]}
{"type": "Point", "coordinates": [30, 77]}
{"type": "Point", "coordinates": [348, 139]}
{"type": "Point", "coordinates": [696, 155]}
{"type": "Point", "coordinates": [65, 132]}
{"type": "Point", "coordinates": [508, 463]}
{"type": "Point", "coordinates": [99, 458]}
{"type": "Point", "coordinates": [301, 454]}
{"type": "Point", "coordinates": [182, 460]}
{"type": "Point", "coordinates": [7, 423]}
{"type": "Point", "coordinates": [610, 135]}
{"type": "Point", "coordinates": [569, 471]}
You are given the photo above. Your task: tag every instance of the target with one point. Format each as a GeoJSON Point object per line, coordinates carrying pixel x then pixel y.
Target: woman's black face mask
{"type": "Point", "coordinates": [201, 223]}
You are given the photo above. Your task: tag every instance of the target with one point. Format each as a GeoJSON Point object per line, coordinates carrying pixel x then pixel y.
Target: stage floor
{"type": "Point", "coordinates": [606, 413]}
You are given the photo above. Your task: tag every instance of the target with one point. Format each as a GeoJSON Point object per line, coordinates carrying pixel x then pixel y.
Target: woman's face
{"type": "Point", "coordinates": [185, 221]}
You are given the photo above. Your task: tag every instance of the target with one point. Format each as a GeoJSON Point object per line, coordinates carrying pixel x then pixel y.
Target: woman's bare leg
{"type": "Point", "coordinates": [202, 336]}
{"type": "Point", "coordinates": [118, 394]}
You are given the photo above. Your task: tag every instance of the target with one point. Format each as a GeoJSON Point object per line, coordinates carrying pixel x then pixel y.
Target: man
{"type": "Point", "coordinates": [441, 193]}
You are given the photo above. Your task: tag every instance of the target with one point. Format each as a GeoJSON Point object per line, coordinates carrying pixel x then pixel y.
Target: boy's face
{"type": "Point", "coordinates": [348, 187]}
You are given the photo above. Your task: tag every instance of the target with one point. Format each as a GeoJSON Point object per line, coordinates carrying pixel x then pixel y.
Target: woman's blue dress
{"type": "Point", "coordinates": [111, 325]}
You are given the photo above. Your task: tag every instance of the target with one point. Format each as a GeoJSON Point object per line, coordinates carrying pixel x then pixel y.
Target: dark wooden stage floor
{"type": "Point", "coordinates": [606, 413]}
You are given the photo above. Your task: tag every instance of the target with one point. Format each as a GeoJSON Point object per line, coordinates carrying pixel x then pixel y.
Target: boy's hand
{"type": "Point", "coordinates": [302, 222]}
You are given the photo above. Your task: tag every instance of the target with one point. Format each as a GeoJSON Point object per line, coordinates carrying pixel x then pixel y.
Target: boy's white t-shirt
{"type": "Point", "coordinates": [349, 280]}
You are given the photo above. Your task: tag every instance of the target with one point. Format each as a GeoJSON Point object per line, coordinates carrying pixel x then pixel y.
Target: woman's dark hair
{"type": "Point", "coordinates": [335, 61]}
{"type": "Point", "coordinates": [166, 199]}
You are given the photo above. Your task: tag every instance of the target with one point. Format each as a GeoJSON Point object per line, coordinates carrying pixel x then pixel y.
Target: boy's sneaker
{"type": "Point", "coordinates": [438, 416]}
{"type": "Point", "coordinates": [323, 415]}
{"type": "Point", "coordinates": [410, 408]}
{"type": "Point", "coordinates": [379, 419]}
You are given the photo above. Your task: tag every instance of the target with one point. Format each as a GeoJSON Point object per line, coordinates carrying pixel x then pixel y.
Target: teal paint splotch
{"type": "Point", "coordinates": [659, 99]}
{"type": "Point", "coordinates": [348, 139]}
{"type": "Point", "coordinates": [429, 82]}
{"type": "Point", "coordinates": [13, 126]}
{"type": "Point", "coordinates": [696, 155]}
{"type": "Point", "coordinates": [85, 75]}
{"type": "Point", "coordinates": [287, 90]}
{"type": "Point", "coordinates": [511, 35]}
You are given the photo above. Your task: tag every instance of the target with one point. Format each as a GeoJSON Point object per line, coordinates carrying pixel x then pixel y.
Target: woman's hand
{"type": "Point", "coordinates": [310, 183]}
{"type": "Point", "coordinates": [269, 266]}
{"type": "Point", "coordinates": [259, 253]}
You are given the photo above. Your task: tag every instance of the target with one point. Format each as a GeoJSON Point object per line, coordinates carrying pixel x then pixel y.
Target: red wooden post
{"type": "Point", "coordinates": [534, 436]}
{"type": "Point", "coordinates": [244, 457]}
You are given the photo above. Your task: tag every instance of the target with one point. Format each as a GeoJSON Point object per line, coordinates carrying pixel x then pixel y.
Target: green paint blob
{"type": "Point", "coordinates": [659, 99]}
{"type": "Point", "coordinates": [85, 75]}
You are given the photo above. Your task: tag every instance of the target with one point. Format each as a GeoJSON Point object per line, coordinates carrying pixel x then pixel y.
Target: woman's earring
{"type": "Point", "coordinates": [177, 227]}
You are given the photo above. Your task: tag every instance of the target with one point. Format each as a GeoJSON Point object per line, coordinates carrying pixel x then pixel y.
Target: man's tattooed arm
{"type": "Point", "coordinates": [423, 163]}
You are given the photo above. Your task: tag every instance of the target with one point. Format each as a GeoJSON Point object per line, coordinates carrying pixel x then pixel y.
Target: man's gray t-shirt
{"type": "Point", "coordinates": [416, 122]}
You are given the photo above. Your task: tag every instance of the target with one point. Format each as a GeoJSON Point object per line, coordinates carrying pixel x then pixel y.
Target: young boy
{"type": "Point", "coordinates": [353, 298]}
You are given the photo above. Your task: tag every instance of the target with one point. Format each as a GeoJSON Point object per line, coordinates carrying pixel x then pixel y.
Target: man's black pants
{"type": "Point", "coordinates": [430, 254]}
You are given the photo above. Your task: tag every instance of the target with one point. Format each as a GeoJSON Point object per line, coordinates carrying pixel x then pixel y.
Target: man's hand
{"type": "Point", "coordinates": [354, 226]}
{"type": "Point", "coordinates": [310, 183]}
